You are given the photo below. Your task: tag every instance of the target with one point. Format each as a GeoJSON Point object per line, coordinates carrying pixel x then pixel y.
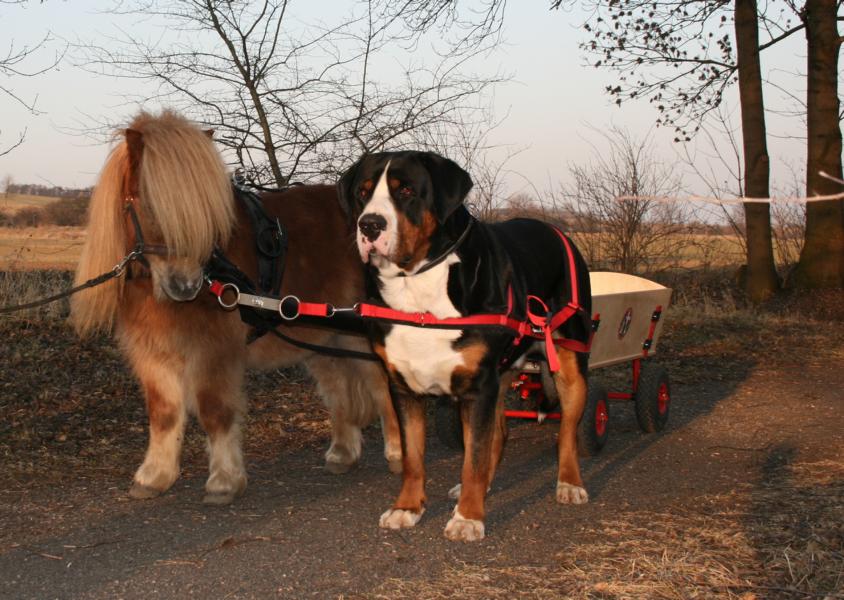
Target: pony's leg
{"type": "Point", "coordinates": [220, 407]}
{"type": "Point", "coordinates": [161, 380]}
{"type": "Point", "coordinates": [570, 382]}
{"type": "Point", "coordinates": [355, 392]}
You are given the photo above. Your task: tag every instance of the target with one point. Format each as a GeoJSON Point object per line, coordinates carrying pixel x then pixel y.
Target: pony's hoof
{"type": "Point", "coordinates": [218, 498]}
{"type": "Point", "coordinates": [395, 466]}
{"type": "Point", "coordinates": [139, 491]}
{"type": "Point", "coordinates": [459, 529]}
{"type": "Point", "coordinates": [338, 468]}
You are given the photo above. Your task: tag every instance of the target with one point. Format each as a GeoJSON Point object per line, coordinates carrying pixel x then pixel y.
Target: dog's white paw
{"type": "Point", "coordinates": [459, 529]}
{"type": "Point", "coordinates": [571, 494]}
{"type": "Point", "coordinates": [397, 518]}
{"type": "Point", "coordinates": [454, 493]}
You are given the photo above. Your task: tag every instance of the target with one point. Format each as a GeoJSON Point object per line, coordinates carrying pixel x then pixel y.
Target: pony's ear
{"type": "Point", "coordinates": [450, 182]}
{"type": "Point", "coordinates": [135, 144]}
{"type": "Point", "coordinates": [209, 133]}
{"type": "Point", "coordinates": [345, 187]}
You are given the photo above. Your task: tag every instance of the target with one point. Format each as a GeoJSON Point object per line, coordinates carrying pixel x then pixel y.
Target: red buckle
{"type": "Point", "coordinates": [216, 288]}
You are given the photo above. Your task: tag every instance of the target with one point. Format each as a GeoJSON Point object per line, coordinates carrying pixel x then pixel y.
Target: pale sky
{"type": "Point", "coordinates": [553, 103]}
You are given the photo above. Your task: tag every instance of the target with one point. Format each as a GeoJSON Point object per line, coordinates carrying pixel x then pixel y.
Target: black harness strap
{"type": "Point", "coordinates": [271, 251]}
{"type": "Point", "coordinates": [270, 241]}
{"type": "Point", "coordinates": [100, 279]}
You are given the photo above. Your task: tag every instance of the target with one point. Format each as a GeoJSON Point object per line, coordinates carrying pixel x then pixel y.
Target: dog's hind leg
{"type": "Point", "coordinates": [161, 380]}
{"type": "Point", "coordinates": [216, 381]}
{"type": "Point", "coordinates": [570, 381]}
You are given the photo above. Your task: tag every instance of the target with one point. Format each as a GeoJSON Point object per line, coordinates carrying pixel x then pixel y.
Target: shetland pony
{"type": "Point", "coordinates": [190, 355]}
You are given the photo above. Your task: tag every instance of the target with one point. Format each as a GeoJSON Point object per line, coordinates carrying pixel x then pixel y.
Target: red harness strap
{"type": "Point", "coordinates": [538, 326]}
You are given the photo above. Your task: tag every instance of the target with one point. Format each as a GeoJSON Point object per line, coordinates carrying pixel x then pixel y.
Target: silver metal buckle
{"type": "Point", "coordinates": [223, 303]}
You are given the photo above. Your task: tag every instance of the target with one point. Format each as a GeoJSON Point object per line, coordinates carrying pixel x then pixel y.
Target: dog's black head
{"type": "Point", "coordinates": [398, 200]}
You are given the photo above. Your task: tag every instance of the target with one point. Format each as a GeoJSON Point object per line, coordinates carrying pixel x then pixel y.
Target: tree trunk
{"type": "Point", "coordinates": [761, 278]}
{"type": "Point", "coordinates": [822, 259]}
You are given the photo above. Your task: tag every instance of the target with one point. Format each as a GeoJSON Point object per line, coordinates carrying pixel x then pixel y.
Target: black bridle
{"type": "Point", "coordinates": [141, 247]}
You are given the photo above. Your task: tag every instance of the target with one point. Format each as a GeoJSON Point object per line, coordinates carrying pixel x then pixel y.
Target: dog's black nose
{"type": "Point", "coordinates": [371, 225]}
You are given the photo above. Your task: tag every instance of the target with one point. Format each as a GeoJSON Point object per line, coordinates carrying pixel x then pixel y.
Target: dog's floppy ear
{"type": "Point", "coordinates": [451, 184]}
{"type": "Point", "coordinates": [345, 187]}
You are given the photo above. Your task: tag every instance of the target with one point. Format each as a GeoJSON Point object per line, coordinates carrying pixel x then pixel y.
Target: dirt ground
{"type": "Point", "coordinates": [741, 496]}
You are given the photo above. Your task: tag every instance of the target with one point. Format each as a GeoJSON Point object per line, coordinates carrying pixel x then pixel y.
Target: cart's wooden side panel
{"type": "Point", "coordinates": [625, 304]}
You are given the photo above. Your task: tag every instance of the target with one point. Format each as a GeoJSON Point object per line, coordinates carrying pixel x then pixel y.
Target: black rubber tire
{"type": "Point", "coordinates": [652, 398]}
{"type": "Point", "coordinates": [592, 435]}
{"type": "Point", "coordinates": [447, 423]}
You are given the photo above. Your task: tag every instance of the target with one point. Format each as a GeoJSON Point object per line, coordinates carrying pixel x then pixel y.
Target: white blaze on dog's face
{"type": "Point", "coordinates": [398, 200]}
{"type": "Point", "coordinates": [378, 223]}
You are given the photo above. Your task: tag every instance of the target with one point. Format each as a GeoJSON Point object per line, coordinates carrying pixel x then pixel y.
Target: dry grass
{"type": "Point", "coordinates": [32, 248]}
{"type": "Point", "coordinates": [783, 539]}
{"type": "Point", "coordinates": [12, 203]}
{"type": "Point", "coordinates": [21, 287]}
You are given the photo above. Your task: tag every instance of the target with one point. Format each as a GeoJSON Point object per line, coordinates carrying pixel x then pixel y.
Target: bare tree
{"type": "Point", "coordinates": [15, 63]}
{"type": "Point", "coordinates": [822, 257]}
{"type": "Point", "coordinates": [292, 100]}
{"type": "Point", "coordinates": [681, 56]}
{"type": "Point", "coordinates": [632, 235]}
{"type": "Point", "coordinates": [467, 141]}
{"type": "Point", "coordinates": [788, 220]}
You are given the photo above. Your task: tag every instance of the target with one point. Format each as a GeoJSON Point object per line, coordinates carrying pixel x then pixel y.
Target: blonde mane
{"type": "Point", "coordinates": [184, 194]}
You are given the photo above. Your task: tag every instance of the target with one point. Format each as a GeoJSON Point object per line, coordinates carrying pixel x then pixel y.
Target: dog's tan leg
{"type": "Point", "coordinates": [410, 504]}
{"type": "Point", "coordinates": [571, 388]}
{"type": "Point", "coordinates": [484, 434]}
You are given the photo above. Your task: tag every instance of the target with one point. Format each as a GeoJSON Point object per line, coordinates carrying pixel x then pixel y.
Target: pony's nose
{"type": "Point", "coordinates": [371, 225]}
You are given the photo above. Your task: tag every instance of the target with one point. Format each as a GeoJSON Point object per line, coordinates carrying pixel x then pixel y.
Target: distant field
{"type": "Point", "coordinates": [40, 247]}
{"type": "Point", "coordinates": [11, 203]}
{"type": "Point", "coordinates": [53, 247]}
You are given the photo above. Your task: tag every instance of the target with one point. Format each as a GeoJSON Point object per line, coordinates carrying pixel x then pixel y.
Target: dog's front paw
{"type": "Point", "coordinates": [460, 529]}
{"type": "Point", "coordinates": [571, 494]}
{"type": "Point", "coordinates": [397, 518]}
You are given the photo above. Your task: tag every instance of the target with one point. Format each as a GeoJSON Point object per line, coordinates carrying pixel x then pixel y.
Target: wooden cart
{"type": "Point", "coordinates": [627, 321]}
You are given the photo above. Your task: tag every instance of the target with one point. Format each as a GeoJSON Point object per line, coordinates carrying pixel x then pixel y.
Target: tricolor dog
{"type": "Point", "coordinates": [426, 254]}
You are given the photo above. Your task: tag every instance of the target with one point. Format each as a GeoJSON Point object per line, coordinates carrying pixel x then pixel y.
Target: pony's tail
{"type": "Point", "coordinates": [95, 309]}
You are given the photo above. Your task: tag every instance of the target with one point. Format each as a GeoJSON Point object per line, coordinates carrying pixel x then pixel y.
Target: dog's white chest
{"type": "Point", "coordinates": [424, 357]}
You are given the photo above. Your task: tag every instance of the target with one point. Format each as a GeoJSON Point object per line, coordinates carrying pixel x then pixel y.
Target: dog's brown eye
{"type": "Point", "coordinates": [363, 192]}
{"type": "Point", "coordinates": [405, 191]}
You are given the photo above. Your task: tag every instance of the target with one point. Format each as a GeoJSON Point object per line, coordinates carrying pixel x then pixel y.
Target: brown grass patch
{"type": "Point", "coordinates": [12, 203]}
{"type": "Point", "coordinates": [34, 248]}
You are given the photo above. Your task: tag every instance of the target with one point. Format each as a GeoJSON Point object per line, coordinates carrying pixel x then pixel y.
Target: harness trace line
{"type": "Point", "coordinates": [537, 325]}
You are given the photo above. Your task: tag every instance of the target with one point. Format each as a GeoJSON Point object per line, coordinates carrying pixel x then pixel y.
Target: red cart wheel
{"type": "Point", "coordinates": [593, 430]}
{"type": "Point", "coordinates": [653, 398]}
